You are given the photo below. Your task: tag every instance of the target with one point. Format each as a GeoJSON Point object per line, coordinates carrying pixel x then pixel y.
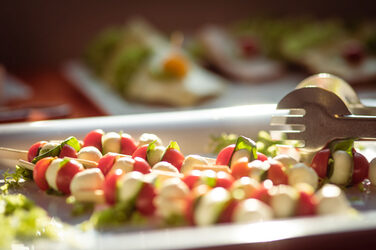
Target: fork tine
{"type": "Point", "coordinates": [287, 120]}
{"type": "Point", "coordinates": [294, 135]}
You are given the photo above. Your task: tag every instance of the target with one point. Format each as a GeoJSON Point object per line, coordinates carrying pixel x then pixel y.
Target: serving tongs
{"type": "Point", "coordinates": [317, 116]}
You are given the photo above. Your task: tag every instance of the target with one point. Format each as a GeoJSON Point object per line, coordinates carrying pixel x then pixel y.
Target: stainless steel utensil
{"type": "Point", "coordinates": [342, 89]}
{"type": "Point", "coordinates": [319, 116]}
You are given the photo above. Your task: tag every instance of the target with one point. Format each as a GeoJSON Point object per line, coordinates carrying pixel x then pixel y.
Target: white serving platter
{"type": "Point", "coordinates": [192, 130]}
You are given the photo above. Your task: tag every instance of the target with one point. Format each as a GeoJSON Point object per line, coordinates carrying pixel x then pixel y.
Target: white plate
{"type": "Point", "coordinates": [192, 130]}
{"type": "Point", "coordinates": [235, 94]}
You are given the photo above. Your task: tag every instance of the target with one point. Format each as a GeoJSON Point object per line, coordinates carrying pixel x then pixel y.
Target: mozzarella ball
{"type": "Point", "coordinates": [283, 200]}
{"type": "Point", "coordinates": [331, 200]}
{"type": "Point", "coordinates": [47, 147]}
{"type": "Point", "coordinates": [286, 160]}
{"type": "Point", "coordinates": [252, 210]}
{"type": "Point", "coordinates": [237, 155]}
{"type": "Point", "coordinates": [111, 143]}
{"type": "Point", "coordinates": [129, 185]}
{"type": "Point", "coordinates": [88, 179]}
{"type": "Point", "coordinates": [342, 168]}
{"type": "Point", "coordinates": [165, 166]}
{"type": "Point", "coordinates": [301, 173]}
{"type": "Point", "coordinates": [372, 172]}
{"type": "Point", "coordinates": [146, 138]}
{"type": "Point", "coordinates": [171, 199]}
{"type": "Point", "coordinates": [51, 173]}
{"type": "Point", "coordinates": [174, 188]}
{"type": "Point", "coordinates": [244, 187]}
{"type": "Point", "coordinates": [258, 168]}
{"type": "Point", "coordinates": [192, 160]}
{"type": "Point", "coordinates": [89, 153]}
{"type": "Point", "coordinates": [125, 163]}
{"type": "Point", "coordinates": [154, 156]}
{"type": "Point", "coordinates": [210, 206]}
{"type": "Point", "coordinates": [168, 207]}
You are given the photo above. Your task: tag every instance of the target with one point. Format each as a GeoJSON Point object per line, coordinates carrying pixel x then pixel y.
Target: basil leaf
{"type": "Point", "coordinates": [173, 145]}
{"type": "Point", "coordinates": [247, 144]}
{"type": "Point", "coordinates": [71, 141]}
{"type": "Point", "coordinates": [345, 145]}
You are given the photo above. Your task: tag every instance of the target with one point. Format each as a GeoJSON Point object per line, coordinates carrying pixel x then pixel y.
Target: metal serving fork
{"type": "Point", "coordinates": [318, 116]}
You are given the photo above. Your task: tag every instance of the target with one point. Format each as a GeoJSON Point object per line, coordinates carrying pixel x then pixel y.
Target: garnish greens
{"type": "Point", "coordinates": [12, 180]}
{"type": "Point", "coordinates": [247, 144]}
{"type": "Point", "coordinates": [20, 219]}
{"type": "Point", "coordinates": [264, 143]}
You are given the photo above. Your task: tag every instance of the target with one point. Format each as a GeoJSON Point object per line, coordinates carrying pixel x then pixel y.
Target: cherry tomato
{"type": "Point", "coordinates": [320, 162]}
{"type": "Point", "coordinates": [224, 155]}
{"type": "Point", "coordinates": [192, 178]}
{"type": "Point", "coordinates": [141, 165]}
{"type": "Point", "coordinates": [227, 213]}
{"type": "Point", "coordinates": [361, 167]}
{"type": "Point", "coordinates": [261, 194]}
{"type": "Point", "coordinates": [224, 180]}
{"type": "Point", "coordinates": [34, 150]}
{"type": "Point", "coordinates": [175, 157]}
{"type": "Point", "coordinates": [141, 152]}
{"type": "Point", "coordinates": [66, 174]}
{"type": "Point", "coordinates": [189, 210]}
{"type": "Point", "coordinates": [261, 157]}
{"type": "Point", "coordinates": [306, 205]}
{"type": "Point", "coordinates": [94, 138]}
{"type": "Point", "coordinates": [106, 162]}
{"type": "Point", "coordinates": [128, 145]}
{"type": "Point", "coordinates": [240, 169]}
{"type": "Point", "coordinates": [144, 202]}
{"type": "Point", "coordinates": [68, 151]}
{"type": "Point", "coordinates": [277, 174]}
{"type": "Point", "coordinates": [110, 185]}
{"type": "Point", "coordinates": [39, 172]}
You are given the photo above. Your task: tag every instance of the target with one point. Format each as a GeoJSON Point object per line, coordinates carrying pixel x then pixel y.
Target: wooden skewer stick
{"type": "Point", "coordinates": [26, 164]}
{"type": "Point", "coordinates": [14, 154]}
{"type": "Point", "coordinates": [216, 168]}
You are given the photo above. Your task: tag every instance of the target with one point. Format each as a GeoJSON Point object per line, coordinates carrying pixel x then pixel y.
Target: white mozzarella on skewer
{"type": "Point", "coordinates": [155, 155]}
{"type": "Point", "coordinates": [89, 153]}
{"type": "Point", "coordinates": [192, 160]}
{"type": "Point", "coordinates": [125, 163]}
{"type": "Point", "coordinates": [210, 206]}
{"type": "Point", "coordinates": [171, 198]}
{"type": "Point", "coordinates": [165, 166]}
{"type": "Point", "coordinates": [286, 160]}
{"type": "Point", "coordinates": [244, 187]}
{"type": "Point", "coordinates": [301, 173]}
{"type": "Point", "coordinates": [111, 143]}
{"type": "Point", "coordinates": [252, 210]}
{"type": "Point", "coordinates": [147, 138]}
{"type": "Point", "coordinates": [51, 172]}
{"type": "Point", "coordinates": [130, 185]}
{"type": "Point", "coordinates": [258, 168]}
{"type": "Point", "coordinates": [342, 168]}
{"type": "Point", "coordinates": [86, 180]}
{"type": "Point", "coordinates": [283, 200]}
{"type": "Point", "coordinates": [331, 200]}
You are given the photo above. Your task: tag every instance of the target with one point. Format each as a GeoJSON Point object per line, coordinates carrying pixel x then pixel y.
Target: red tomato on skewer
{"type": "Point", "coordinates": [128, 144]}
{"type": "Point", "coordinates": [320, 162]}
{"type": "Point", "coordinates": [65, 175]}
{"type": "Point", "coordinates": [39, 172]}
{"type": "Point", "coordinates": [94, 138]}
{"type": "Point", "coordinates": [224, 155]}
{"type": "Point", "coordinates": [174, 156]}
{"type": "Point", "coordinates": [361, 167]}
{"type": "Point", "coordinates": [34, 150]}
